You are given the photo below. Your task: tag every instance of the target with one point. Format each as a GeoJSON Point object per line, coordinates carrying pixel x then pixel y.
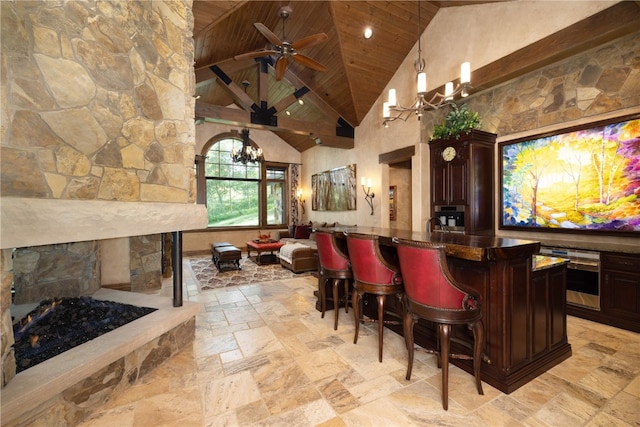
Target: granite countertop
{"type": "Point", "coordinates": [543, 262]}
{"type": "Point", "coordinates": [625, 245]}
{"type": "Point", "coordinates": [463, 246]}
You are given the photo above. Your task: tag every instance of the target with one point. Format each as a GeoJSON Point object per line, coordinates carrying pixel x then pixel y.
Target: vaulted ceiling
{"type": "Point", "coordinates": [334, 101]}
{"type": "Point", "coordinates": [245, 92]}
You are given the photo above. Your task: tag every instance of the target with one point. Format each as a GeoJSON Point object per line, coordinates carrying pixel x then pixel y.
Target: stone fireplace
{"type": "Point", "coordinates": [113, 354]}
{"type": "Point", "coordinates": [97, 147]}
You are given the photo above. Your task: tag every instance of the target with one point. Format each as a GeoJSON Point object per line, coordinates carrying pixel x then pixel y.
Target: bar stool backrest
{"type": "Point", "coordinates": [367, 262]}
{"type": "Point", "coordinates": [427, 279]}
{"type": "Point", "coordinates": [329, 255]}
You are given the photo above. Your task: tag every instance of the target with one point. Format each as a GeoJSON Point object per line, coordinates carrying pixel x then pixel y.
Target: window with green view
{"type": "Point", "coordinates": [239, 195]}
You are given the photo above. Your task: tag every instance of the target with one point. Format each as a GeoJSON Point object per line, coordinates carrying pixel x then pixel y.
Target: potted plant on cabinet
{"type": "Point", "coordinates": [458, 121]}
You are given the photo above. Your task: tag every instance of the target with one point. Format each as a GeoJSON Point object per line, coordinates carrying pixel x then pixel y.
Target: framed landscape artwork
{"type": "Point", "coordinates": [582, 179]}
{"type": "Point", "coordinates": [334, 190]}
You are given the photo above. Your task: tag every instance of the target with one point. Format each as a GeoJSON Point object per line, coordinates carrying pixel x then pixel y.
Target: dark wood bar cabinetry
{"type": "Point", "coordinates": [524, 311]}
{"type": "Point", "coordinates": [616, 299]}
{"type": "Point", "coordinates": [462, 177]}
{"type": "Point", "coordinates": [620, 289]}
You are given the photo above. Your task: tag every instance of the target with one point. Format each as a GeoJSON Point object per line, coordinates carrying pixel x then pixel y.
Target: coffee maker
{"type": "Point", "coordinates": [451, 218]}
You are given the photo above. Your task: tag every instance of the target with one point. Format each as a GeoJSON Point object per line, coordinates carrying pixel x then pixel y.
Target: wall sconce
{"type": "Point", "coordinates": [300, 199]}
{"type": "Point", "coordinates": [368, 195]}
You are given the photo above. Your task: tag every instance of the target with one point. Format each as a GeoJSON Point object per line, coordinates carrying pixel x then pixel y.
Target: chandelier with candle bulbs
{"type": "Point", "coordinates": [247, 154]}
{"type": "Point", "coordinates": [393, 111]}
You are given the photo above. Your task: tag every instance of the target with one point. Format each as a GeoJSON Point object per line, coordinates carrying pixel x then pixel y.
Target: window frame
{"type": "Point", "coordinates": [262, 185]}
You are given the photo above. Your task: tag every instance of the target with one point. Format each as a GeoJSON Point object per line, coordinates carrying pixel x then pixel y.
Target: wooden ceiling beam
{"type": "Point", "coordinates": [231, 116]}
{"type": "Point", "coordinates": [238, 94]}
{"type": "Point", "coordinates": [610, 24]}
{"type": "Point", "coordinates": [312, 96]}
{"type": "Point", "coordinates": [324, 133]}
{"type": "Point", "coordinates": [603, 27]}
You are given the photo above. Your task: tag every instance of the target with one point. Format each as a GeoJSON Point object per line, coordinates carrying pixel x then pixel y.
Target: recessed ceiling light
{"type": "Point", "coordinates": [300, 101]}
{"type": "Point", "coordinates": [288, 113]}
{"type": "Point", "coordinates": [368, 32]}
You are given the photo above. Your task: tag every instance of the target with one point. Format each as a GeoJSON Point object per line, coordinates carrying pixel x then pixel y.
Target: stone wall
{"type": "Point", "coordinates": [62, 270]}
{"type": "Point", "coordinates": [99, 98]}
{"type": "Point", "coordinates": [595, 83]}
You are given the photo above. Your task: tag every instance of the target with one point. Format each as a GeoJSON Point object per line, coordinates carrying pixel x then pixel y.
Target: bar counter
{"type": "Point", "coordinates": [524, 311]}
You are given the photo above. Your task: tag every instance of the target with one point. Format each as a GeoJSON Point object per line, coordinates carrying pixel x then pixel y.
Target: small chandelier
{"type": "Point", "coordinates": [421, 104]}
{"type": "Point", "coordinates": [247, 153]}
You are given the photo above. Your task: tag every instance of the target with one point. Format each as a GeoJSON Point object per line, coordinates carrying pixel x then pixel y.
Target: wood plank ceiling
{"type": "Point", "coordinates": [357, 69]}
{"type": "Point", "coordinates": [335, 101]}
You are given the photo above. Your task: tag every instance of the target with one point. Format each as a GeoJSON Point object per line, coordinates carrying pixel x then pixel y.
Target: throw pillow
{"type": "Point", "coordinates": [315, 225]}
{"type": "Point", "coordinates": [302, 232]}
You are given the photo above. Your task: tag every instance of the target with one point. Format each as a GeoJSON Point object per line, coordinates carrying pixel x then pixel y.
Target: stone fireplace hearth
{"type": "Point", "coordinates": [65, 388]}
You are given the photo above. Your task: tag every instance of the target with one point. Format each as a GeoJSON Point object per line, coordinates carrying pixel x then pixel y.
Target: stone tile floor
{"type": "Point", "coordinates": [264, 357]}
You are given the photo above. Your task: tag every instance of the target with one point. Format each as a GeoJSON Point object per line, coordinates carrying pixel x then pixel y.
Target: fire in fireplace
{"type": "Point", "coordinates": [57, 325]}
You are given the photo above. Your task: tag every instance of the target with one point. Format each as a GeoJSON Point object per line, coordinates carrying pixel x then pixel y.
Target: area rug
{"type": "Point", "coordinates": [251, 273]}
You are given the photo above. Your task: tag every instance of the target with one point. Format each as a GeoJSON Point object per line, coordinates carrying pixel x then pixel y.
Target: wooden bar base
{"type": "Point", "coordinates": [523, 311]}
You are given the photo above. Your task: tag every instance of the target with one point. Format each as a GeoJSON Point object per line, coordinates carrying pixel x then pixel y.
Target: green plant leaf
{"type": "Point", "coordinates": [459, 120]}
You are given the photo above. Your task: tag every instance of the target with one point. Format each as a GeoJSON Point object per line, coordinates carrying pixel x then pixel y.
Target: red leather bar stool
{"type": "Point", "coordinates": [334, 266]}
{"type": "Point", "coordinates": [434, 295]}
{"type": "Point", "coordinates": [372, 274]}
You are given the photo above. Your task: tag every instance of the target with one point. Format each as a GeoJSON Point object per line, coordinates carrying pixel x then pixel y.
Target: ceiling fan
{"type": "Point", "coordinates": [286, 50]}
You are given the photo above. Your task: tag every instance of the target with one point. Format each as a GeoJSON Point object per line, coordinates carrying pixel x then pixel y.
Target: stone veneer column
{"type": "Point", "coordinates": [6, 328]}
{"type": "Point", "coordinates": [100, 97]}
{"type": "Point", "coordinates": [146, 263]}
{"type": "Point", "coordinates": [96, 106]}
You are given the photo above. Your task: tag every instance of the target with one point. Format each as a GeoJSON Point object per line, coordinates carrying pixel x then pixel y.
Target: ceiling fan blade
{"type": "Point", "coordinates": [281, 67]}
{"type": "Point", "coordinates": [256, 54]}
{"type": "Point", "coordinates": [308, 62]}
{"type": "Point", "coordinates": [309, 41]}
{"type": "Point", "coordinates": [268, 34]}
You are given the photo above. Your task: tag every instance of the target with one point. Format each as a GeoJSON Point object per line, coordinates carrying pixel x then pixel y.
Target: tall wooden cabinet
{"type": "Point", "coordinates": [462, 177]}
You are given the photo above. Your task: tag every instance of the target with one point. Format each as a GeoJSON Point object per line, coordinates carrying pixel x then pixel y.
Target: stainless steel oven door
{"type": "Point", "coordinates": [583, 287]}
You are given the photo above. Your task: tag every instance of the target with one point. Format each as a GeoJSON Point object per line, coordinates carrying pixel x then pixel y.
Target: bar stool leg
{"type": "Point", "coordinates": [346, 295]}
{"type": "Point", "coordinates": [444, 354]}
{"type": "Point", "coordinates": [478, 339]}
{"type": "Point", "coordinates": [381, 299]}
{"type": "Point", "coordinates": [323, 293]}
{"type": "Point", "coordinates": [336, 303]}
{"type": "Point", "coordinates": [408, 339]}
{"type": "Point", "coordinates": [357, 309]}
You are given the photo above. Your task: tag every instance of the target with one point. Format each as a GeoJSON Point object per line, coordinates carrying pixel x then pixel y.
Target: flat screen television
{"type": "Point", "coordinates": [582, 179]}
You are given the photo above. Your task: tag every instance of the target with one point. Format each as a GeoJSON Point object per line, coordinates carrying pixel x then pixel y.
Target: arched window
{"type": "Point", "coordinates": [243, 195]}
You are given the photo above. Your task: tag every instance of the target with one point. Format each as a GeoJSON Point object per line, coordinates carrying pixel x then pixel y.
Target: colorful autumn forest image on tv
{"type": "Point", "coordinates": [584, 180]}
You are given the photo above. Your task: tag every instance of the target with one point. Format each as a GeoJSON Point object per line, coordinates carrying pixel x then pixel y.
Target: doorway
{"type": "Point", "coordinates": [400, 206]}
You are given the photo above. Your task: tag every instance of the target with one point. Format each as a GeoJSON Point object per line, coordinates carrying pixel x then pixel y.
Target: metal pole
{"type": "Point", "coordinates": [176, 257]}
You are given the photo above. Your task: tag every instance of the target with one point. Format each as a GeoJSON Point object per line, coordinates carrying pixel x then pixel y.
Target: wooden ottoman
{"type": "Point", "coordinates": [225, 253]}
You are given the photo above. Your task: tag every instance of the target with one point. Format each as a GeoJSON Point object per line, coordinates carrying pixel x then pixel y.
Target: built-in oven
{"type": "Point", "coordinates": [583, 275]}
